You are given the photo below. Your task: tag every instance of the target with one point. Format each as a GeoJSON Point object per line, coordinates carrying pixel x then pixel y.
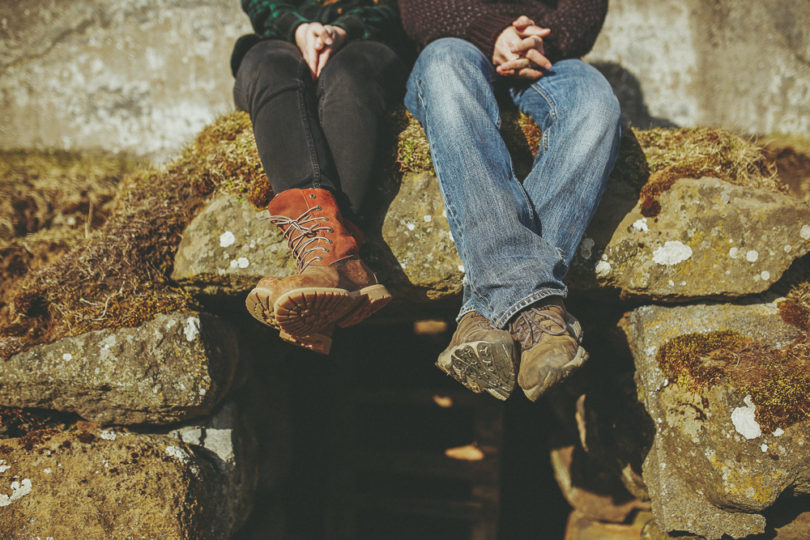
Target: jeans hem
{"type": "Point", "coordinates": [533, 298]}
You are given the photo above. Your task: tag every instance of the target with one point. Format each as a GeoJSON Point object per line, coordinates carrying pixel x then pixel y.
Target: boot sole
{"type": "Point", "coordinates": [309, 310]}
{"type": "Point", "coordinates": [259, 306]}
{"type": "Point", "coordinates": [481, 366]}
{"type": "Point", "coordinates": [553, 375]}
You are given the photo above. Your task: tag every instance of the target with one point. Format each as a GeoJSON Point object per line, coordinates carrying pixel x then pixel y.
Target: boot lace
{"type": "Point", "coordinates": [527, 328]}
{"type": "Point", "coordinates": [301, 233]}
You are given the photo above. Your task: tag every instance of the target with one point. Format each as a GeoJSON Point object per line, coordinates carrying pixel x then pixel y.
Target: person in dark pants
{"type": "Point", "coordinates": [317, 79]}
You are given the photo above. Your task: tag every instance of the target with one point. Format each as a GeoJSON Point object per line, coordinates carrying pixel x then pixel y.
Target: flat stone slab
{"type": "Point", "coordinates": [90, 482]}
{"type": "Point", "coordinates": [711, 471]}
{"type": "Point", "coordinates": [172, 368]}
{"type": "Point", "coordinates": [711, 239]}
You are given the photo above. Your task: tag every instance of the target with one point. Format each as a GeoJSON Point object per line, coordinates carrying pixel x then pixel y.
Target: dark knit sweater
{"type": "Point", "coordinates": [574, 24]}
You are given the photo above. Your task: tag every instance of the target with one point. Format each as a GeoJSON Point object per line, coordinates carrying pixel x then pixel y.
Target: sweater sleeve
{"type": "Point", "coordinates": [378, 22]}
{"type": "Point", "coordinates": [274, 19]}
{"type": "Point", "coordinates": [574, 24]}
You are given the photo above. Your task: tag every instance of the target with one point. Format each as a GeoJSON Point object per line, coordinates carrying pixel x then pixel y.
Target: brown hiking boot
{"type": "Point", "coordinates": [549, 339]}
{"type": "Point", "coordinates": [481, 357]}
{"type": "Point", "coordinates": [331, 285]}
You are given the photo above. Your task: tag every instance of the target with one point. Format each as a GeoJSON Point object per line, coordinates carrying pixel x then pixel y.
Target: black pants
{"type": "Point", "coordinates": [322, 133]}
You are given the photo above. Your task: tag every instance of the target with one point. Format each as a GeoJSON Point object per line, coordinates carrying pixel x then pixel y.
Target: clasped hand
{"type": "Point", "coordinates": [519, 50]}
{"type": "Point", "coordinates": [318, 42]}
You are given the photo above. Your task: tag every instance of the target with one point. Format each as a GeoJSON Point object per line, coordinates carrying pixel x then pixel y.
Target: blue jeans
{"type": "Point", "coordinates": [516, 240]}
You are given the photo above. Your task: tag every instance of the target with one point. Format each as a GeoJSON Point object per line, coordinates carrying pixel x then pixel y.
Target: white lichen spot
{"type": "Point", "coordinates": [671, 253]}
{"type": "Point", "coordinates": [203, 391]}
{"type": "Point", "coordinates": [461, 268]}
{"type": "Point", "coordinates": [410, 226]}
{"type": "Point", "coordinates": [192, 328]}
{"type": "Point", "coordinates": [764, 447]}
{"type": "Point", "coordinates": [18, 491]}
{"type": "Point", "coordinates": [242, 262]}
{"type": "Point", "coordinates": [3, 466]}
{"type": "Point", "coordinates": [586, 248]}
{"type": "Point", "coordinates": [750, 492]}
{"type": "Point", "coordinates": [107, 435]}
{"type": "Point", "coordinates": [744, 420]}
{"type": "Point", "coordinates": [444, 213]}
{"type": "Point", "coordinates": [226, 239]}
{"type": "Point", "coordinates": [253, 245]}
{"type": "Point", "coordinates": [170, 323]}
{"type": "Point", "coordinates": [765, 275]}
{"type": "Point", "coordinates": [671, 283]}
{"type": "Point", "coordinates": [177, 453]}
{"type": "Point", "coordinates": [788, 248]}
{"type": "Point", "coordinates": [756, 278]}
{"type": "Point", "coordinates": [47, 471]}
{"type": "Point", "coordinates": [427, 219]}
{"type": "Point", "coordinates": [67, 357]}
{"type": "Point", "coordinates": [733, 252]}
{"type": "Point", "coordinates": [752, 256]}
{"type": "Point", "coordinates": [602, 269]}
{"type": "Point", "coordinates": [779, 432]}
{"type": "Point", "coordinates": [233, 263]}
{"type": "Point", "coordinates": [641, 225]}
{"type": "Point", "coordinates": [805, 232]}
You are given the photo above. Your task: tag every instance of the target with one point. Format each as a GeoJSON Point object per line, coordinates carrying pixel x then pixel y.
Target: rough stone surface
{"type": "Point", "coordinates": [172, 368]}
{"type": "Point", "coordinates": [142, 76]}
{"type": "Point", "coordinates": [738, 240]}
{"type": "Point", "coordinates": [582, 527]}
{"type": "Point", "coordinates": [703, 475]}
{"type": "Point", "coordinates": [228, 247]}
{"type": "Point", "coordinates": [709, 42]}
{"type": "Point", "coordinates": [229, 442]}
{"type": "Point", "coordinates": [87, 482]}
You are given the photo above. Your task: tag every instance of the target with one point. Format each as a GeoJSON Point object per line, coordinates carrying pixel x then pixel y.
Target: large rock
{"type": "Point", "coordinates": [174, 367]}
{"type": "Point", "coordinates": [711, 469]}
{"type": "Point", "coordinates": [142, 77]}
{"type": "Point", "coordinates": [738, 240]}
{"type": "Point", "coordinates": [229, 246]}
{"type": "Point", "coordinates": [86, 482]}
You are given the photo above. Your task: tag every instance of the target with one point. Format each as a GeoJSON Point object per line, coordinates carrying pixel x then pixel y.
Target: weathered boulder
{"type": "Point", "coordinates": [174, 367]}
{"type": "Point", "coordinates": [87, 482]}
{"type": "Point", "coordinates": [713, 468]}
{"type": "Point", "coordinates": [739, 240]}
{"type": "Point", "coordinates": [229, 246]}
{"type": "Point", "coordinates": [582, 527]}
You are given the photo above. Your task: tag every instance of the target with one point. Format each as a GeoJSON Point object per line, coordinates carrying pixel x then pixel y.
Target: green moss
{"type": "Point", "coordinates": [778, 380]}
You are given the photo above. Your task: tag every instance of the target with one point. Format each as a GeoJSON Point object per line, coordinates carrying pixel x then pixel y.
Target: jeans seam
{"type": "Point", "coordinates": [552, 112]}
{"type": "Point", "coordinates": [522, 304]}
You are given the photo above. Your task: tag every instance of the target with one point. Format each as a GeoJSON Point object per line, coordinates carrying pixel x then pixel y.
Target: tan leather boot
{"type": "Point", "coordinates": [331, 285]}
{"type": "Point", "coordinates": [550, 340]}
{"type": "Point", "coordinates": [481, 357]}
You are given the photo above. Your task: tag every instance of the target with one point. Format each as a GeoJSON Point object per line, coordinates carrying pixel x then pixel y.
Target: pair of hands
{"type": "Point", "coordinates": [318, 42]}
{"type": "Point", "coordinates": [519, 50]}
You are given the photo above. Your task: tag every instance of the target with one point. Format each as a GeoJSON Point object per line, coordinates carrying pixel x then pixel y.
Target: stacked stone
{"type": "Point", "coordinates": [167, 441]}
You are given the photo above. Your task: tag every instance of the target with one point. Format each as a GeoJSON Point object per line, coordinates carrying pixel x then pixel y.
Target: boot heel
{"type": "Point", "coordinates": [372, 299]}
{"type": "Point", "coordinates": [309, 310]}
{"type": "Point", "coordinates": [259, 306]}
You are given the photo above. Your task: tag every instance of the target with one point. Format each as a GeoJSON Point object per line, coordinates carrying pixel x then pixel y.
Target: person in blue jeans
{"type": "Point", "coordinates": [516, 238]}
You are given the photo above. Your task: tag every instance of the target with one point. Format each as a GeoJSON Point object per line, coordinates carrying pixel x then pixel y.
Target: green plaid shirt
{"type": "Point", "coordinates": [362, 19]}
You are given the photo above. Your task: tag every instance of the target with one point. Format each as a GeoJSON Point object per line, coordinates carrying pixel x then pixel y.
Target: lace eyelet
{"type": "Point", "coordinates": [312, 196]}
{"type": "Point", "coordinates": [331, 230]}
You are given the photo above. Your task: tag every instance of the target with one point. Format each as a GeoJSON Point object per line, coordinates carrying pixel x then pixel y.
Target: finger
{"type": "Point", "coordinates": [516, 64]}
{"type": "Point", "coordinates": [529, 73]}
{"type": "Point", "coordinates": [522, 21]}
{"type": "Point", "coordinates": [322, 59]}
{"type": "Point", "coordinates": [538, 59]}
{"type": "Point", "coordinates": [531, 42]}
{"type": "Point", "coordinates": [504, 72]}
{"type": "Point", "coordinates": [533, 30]}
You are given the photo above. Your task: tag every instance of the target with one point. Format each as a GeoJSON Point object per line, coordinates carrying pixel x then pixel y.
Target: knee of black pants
{"type": "Point", "coordinates": [365, 70]}
{"type": "Point", "coordinates": [269, 66]}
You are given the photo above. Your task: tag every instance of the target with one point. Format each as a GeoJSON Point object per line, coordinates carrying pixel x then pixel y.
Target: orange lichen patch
{"type": "Point", "coordinates": [778, 380]}
{"type": "Point", "coordinates": [694, 153]}
{"type": "Point", "coordinates": [795, 308]}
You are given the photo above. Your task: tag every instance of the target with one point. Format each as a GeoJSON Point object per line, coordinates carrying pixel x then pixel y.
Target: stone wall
{"type": "Point", "coordinates": [144, 76]}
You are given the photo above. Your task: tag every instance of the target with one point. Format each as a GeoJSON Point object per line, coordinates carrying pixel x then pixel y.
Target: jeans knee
{"type": "Point", "coordinates": [450, 60]}
{"type": "Point", "coordinates": [362, 70]}
{"type": "Point", "coordinates": [274, 61]}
